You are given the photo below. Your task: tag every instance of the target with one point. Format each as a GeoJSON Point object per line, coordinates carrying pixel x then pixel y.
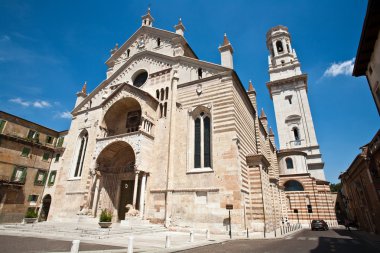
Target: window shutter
{"type": "Point", "coordinates": [2, 124]}
{"type": "Point", "coordinates": [197, 143]}
{"type": "Point", "coordinates": [45, 177]}
{"type": "Point", "coordinates": [60, 142]}
{"type": "Point", "coordinates": [23, 176]}
{"type": "Point", "coordinates": [207, 142]}
{"type": "Point", "coordinates": [14, 173]}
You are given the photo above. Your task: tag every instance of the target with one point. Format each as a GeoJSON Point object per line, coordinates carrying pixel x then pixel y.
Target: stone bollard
{"type": "Point", "coordinates": [130, 244]}
{"type": "Point", "coordinates": [167, 242]}
{"type": "Point", "coordinates": [207, 234]}
{"type": "Point", "coordinates": [75, 246]}
{"type": "Point", "coordinates": [191, 236]}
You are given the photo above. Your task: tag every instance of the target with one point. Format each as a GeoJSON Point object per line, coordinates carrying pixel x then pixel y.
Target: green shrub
{"type": "Point", "coordinates": [31, 213]}
{"type": "Point", "coordinates": [105, 216]}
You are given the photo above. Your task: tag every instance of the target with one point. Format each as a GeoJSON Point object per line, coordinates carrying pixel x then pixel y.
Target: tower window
{"type": "Point", "coordinates": [287, 47]}
{"type": "Point", "coordinates": [158, 42]}
{"type": "Point", "coordinates": [289, 163]}
{"type": "Point", "coordinates": [128, 52]}
{"type": "Point", "coordinates": [282, 62]}
{"type": "Point", "coordinates": [200, 73]}
{"type": "Point", "coordinates": [296, 134]}
{"type": "Point", "coordinates": [279, 46]}
{"type": "Point", "coordinates": [157, 94]}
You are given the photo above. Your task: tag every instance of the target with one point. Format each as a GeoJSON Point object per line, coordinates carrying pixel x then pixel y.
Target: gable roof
{"type": "Point", "coordinates": [151, 30]}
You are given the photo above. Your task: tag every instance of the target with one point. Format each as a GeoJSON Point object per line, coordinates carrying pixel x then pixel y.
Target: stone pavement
{"type": "Point", "coordinates": [370, 238]}
{"type": "Point", "coordinates": [146, 237]}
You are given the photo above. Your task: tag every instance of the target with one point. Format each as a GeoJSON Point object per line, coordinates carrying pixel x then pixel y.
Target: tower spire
{"type": "Point", "coordinates": [147, 19]}
{"type": "Point", "coordinates": [226, 52]}
{"type": "Point", "coordinates": [179, 28]}
{"type": "Point", "coordinates": [250, 87]}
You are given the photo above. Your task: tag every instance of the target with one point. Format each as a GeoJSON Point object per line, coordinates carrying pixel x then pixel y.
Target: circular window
{"type": "Point", "coordinates": [140, 79]}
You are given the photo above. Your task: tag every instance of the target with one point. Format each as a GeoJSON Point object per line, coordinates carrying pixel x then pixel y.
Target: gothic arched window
{"type": "Point", "coordinates": [279, 46]}
{"type": "Point", "coordinates": [289, 163]}
{"type": "Point", "coordinates": [158, 42]}
{"type": "Point", "coordinates": [293, 185]}
{"type": "Point", "coordinates": [80, 154]}
{"type": "Point", "coordinates": [166, 93]}
{"type": "Point", "coordinates": [128, 52]}
{"type": "Point", "coordinates": [162, 94]}
{"type": "Point", "coordinates": [202, 140]}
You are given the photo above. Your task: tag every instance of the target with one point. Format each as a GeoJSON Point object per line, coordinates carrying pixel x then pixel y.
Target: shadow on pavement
{"type": "Point", "coordinates": [347, 243]}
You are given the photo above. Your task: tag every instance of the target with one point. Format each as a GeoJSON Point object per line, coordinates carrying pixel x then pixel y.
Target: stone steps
{"type": "Point", "coordinates": [87, 230]}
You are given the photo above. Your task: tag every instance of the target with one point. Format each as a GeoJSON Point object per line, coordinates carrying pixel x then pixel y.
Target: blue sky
{"type": "Point", "coordinates": [49, 48]}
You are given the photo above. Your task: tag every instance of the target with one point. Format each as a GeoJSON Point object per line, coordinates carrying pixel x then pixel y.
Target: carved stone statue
{"type": "Point", "coordinates": [131, 211]}
{"type": "Point", "coordinates": [84, 210]}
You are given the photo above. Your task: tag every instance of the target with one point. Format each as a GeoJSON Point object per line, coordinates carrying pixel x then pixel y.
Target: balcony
{"type": "Point", "coordinates": [295, 143]}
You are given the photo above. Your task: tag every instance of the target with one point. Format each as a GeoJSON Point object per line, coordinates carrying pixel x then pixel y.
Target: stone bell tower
{"type": "Point", "coordinates": [299, 150]}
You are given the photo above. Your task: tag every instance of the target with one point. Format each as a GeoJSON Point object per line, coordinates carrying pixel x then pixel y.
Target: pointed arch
{"type": "Point", "coordinates": [80, 153]}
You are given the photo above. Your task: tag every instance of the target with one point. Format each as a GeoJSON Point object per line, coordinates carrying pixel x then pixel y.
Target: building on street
{"type": "Point", "coordinates": [27, 150]}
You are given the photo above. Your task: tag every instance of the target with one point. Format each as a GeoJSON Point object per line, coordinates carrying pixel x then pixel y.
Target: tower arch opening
{"type": "Point", "coordinates": [280, 47]}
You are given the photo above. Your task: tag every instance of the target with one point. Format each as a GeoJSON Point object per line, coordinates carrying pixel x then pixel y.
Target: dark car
{"type": "Point", "coordinates": [319, 225]}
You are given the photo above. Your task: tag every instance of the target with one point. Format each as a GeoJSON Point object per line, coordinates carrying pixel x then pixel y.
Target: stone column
{"type": "Point", "coordinates": [135, 188]}
{"type": "Point", "coordinates": [142, 195]}
{"type": "Point", "coordinates": [96, 196]}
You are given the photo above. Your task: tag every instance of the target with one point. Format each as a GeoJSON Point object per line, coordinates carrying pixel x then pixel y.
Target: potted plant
{"type": "Point", "coordinates": [30, 216]}
{"type": "Point", "coordinates": [105, 219]}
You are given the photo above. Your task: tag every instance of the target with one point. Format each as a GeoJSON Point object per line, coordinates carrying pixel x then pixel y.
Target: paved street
{"type": "Point", "coordinates": [307, 241]}
{"type": "Point", "coordinates": [17, 244]}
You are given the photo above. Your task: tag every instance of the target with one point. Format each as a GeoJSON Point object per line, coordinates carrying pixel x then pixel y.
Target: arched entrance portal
{"type": "Point", "coordinates": [122, 117]}
{"type": "Point", "coordinates": [46, 201]}
{"type": "Point", "coordinates": [119, 183]}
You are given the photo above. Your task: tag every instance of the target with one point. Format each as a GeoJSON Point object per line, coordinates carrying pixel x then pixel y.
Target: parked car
{"type": "Point", "coordinates": [319, 225]}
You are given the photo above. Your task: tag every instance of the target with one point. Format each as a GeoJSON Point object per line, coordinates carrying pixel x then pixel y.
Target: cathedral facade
{"type": "Point", "coordinates": [178, 139]}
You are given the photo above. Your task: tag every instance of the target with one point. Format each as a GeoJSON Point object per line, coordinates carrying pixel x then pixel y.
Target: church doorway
{"type": "Point", "coordinates": [116, 165]}
{"type": "Point", "coordinates": [46, 201]}
{"type": "Point", "coordinates": [126, 196]}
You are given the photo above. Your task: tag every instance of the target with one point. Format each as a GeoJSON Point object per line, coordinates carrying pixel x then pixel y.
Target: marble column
{"type": "Point", "coordinates": [142, 195]}
{"type": "Point", "coordinates": [135, 188]}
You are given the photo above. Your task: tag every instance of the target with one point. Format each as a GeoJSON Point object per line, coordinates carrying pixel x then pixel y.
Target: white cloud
{"type": "Point", "coordinates": [20, 101]}
{"type": "Point", "coordinates": [41, 104]}
{"type": "Point", "coordinates": [340, 68]}
{"type": "Point", "coordinates": [4, 38]}
{"type": "Point", "coordinates": [64, 115]}
{"type": "Point", "coordinates": [37, 103]}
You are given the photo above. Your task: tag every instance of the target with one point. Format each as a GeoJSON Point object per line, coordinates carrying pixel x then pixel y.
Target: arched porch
{"type": "Point", "coordinates": [118, 182]}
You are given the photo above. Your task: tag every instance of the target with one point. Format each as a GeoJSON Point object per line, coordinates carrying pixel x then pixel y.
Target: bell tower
{"type": "Point", "coordinates": [288, 89]}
